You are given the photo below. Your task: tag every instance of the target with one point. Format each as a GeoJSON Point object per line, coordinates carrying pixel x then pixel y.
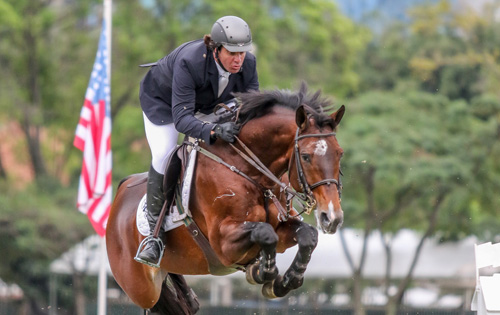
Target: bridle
{"type": "Point", "coordinates": [307, 189]}
{"type": "Point", "coordinates": [306, 197]}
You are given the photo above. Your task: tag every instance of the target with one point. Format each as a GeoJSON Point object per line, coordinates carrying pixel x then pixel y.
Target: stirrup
{"type": "Point", "coordinates": [150, 238]}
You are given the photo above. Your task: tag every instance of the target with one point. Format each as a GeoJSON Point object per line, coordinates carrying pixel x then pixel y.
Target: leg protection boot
{"type": "Point", "coordinates": [152, 247]}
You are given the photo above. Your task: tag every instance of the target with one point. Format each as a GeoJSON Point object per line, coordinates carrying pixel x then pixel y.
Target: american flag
{"type": "Point", "coordinates": [93, 138]}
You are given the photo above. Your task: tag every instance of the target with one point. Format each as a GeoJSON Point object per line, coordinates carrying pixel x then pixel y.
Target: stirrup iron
{"type": "Point", "coordinates": [150, 238]}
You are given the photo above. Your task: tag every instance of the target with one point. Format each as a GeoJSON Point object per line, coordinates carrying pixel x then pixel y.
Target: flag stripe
{"type": "Point", "coordinates": [93, 138]}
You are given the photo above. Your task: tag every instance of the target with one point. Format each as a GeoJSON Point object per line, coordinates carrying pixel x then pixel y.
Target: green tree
{"type": "Point", "coordinates": [32, 94]}
{"type": "Point", "coordinates": [419, 171]}
{"type": "Point", "coordinates": [440, 50]}
{"type": "Point", "coordinates": [24, 44]}
{"type": "Point", "coordinates": [36, 227]}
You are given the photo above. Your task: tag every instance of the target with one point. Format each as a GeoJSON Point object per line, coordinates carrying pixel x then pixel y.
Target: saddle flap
{"type": "Point", "coordinates": [177, 173]}
{"type": "Point", "coordinates": [172, 174]}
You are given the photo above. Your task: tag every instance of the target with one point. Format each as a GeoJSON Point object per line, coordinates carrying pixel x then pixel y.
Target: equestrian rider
{"type": "Point", "coordinates": [192, 79]}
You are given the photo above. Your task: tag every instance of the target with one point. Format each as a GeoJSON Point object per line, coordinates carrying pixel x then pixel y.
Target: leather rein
{"type": "Point", "coordinates": [306, 197]}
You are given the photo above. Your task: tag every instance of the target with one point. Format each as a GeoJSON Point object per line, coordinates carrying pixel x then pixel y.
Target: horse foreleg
{"type": "Point", "coordinates": [264, 270]}
{"type": "Point", "coordinates": [307, 239]}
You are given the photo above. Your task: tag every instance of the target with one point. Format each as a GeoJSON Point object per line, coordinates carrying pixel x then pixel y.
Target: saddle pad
{"type": "Point", "coordinates": [142, 221]}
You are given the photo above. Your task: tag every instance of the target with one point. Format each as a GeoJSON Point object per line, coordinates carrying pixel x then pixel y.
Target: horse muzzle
{"type": "Point", "coordinates": [329, 220]}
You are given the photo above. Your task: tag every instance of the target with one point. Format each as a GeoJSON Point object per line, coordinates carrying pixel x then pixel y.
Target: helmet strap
{"type": "Point", "coordinates": [217, 58]}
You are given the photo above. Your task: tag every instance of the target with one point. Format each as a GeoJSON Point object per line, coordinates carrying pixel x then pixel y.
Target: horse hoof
{"type": "Point", "coordinates": [249, 274]}
{"type": "Point", "coordinates": [268, 290]}
{"type": "Point", "coordinates": [275, 289]}
{"type": "Point", "coordinates": [255, 275]}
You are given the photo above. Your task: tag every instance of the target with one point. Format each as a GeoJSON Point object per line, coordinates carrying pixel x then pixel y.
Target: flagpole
{"type": "Point", "coordinates": [109, 24]}
{"type": "Point", "coordinates": [102, 278]}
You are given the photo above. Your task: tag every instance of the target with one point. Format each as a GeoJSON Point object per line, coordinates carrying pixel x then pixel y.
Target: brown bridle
{"type": "Point", "coordinates": [307, 189]}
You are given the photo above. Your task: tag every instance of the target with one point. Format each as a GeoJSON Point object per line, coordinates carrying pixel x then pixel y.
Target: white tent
{"type": "Point", "coordinates": [10, 291]}
{"type": "Point", "coordinates": [452, 261]}
{"type": "Point", "coordinates": [437, 260]}
{"type": "Point", "coordinates": [84, 257]}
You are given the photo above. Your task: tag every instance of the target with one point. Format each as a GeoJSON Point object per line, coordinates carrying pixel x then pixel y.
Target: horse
{"type": "Point", "coordinates": [245, 210]}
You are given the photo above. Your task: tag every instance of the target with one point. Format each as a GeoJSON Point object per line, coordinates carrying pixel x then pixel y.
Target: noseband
{"type": "Point", "coordinates": [310, 202]}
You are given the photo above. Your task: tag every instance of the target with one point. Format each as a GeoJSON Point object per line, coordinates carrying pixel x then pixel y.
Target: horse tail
{"type": "Point", "coordinates": [176, 297]}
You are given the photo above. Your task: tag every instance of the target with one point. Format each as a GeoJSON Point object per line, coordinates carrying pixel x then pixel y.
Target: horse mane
{"type": "Point", "coordinates": [255, 104]}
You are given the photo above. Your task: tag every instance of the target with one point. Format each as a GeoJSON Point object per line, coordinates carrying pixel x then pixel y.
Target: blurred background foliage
{"type": "Point", "coordinates": [420, 133]}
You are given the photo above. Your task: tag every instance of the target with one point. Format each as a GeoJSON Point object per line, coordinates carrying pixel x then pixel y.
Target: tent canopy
{"type": "Point", "coordinates": [452, 260]}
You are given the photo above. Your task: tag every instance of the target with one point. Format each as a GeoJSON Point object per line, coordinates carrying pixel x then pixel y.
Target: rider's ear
{"type": "Point", "coordinates": [301, 117]}
{"type": "Point", "coordinates": [337, 116]}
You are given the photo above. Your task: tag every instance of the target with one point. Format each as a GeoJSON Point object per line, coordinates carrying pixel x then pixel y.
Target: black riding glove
{"type": "Point", "coordinates": [226, 131]}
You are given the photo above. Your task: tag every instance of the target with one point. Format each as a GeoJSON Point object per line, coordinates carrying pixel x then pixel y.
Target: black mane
{"type": "Point", "coordinates": [257, 104]}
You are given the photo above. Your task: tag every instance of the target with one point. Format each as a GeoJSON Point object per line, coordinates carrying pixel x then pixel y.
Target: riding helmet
{"type": "Point", "coordinates": [233, 33]}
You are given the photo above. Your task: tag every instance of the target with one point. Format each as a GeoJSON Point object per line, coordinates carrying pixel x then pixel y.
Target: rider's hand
{"type": "Point", "coordinates": [226, 131]}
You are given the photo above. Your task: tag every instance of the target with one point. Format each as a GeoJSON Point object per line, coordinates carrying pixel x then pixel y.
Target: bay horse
{"type": "Point", "coordinates": [291, 136]}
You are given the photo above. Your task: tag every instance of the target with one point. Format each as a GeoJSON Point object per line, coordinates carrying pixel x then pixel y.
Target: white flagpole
{"type": "Point", "coordinates": [103, 278]}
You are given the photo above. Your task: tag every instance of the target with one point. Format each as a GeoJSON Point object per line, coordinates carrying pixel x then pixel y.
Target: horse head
{"type": "Point", "coordinates": [315, 166]}
{"type": "Point", "coordinates": [298, 124]}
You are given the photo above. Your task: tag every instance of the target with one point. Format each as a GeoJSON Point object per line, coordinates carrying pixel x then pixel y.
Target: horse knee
{"type": "Point", "coordinates": [307, 236]}
{"type": "Point", "coordinates": [264, 234]}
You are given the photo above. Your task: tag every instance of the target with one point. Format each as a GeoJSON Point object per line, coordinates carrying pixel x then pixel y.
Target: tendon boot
{"type": "Point", "coordinates": [150, 250]}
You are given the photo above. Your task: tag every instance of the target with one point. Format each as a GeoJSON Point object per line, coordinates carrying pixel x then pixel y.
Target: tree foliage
{"type": "Point", "coordinates": [35, 228]}
{"type": "Point", "coordinates": [419, 171]}
{"type": "Point", "coordinates": [441, 50]}
{"type": "Point", "coordinates": [421, 149]}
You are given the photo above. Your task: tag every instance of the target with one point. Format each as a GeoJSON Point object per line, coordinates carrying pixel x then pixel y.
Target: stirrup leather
{"type": "Point", "coordinates": [150, 238]}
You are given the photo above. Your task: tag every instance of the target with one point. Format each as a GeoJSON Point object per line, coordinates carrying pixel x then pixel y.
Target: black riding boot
{"type": "Point", "coordinates": [151, 252]}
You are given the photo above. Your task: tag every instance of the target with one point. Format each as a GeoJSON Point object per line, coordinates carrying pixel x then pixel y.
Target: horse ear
{"type": "Point", "coordinates": [337, 116]}
{"type": "Point", "coordinates": [301, 117]}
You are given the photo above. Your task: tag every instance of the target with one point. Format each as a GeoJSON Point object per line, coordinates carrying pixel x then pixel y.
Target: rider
{"type": "Point", "coordinates": [192, 79]}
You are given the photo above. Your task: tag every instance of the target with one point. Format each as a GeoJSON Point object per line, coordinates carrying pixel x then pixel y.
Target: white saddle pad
{"type": "Point", "coordinates": [168, 223]}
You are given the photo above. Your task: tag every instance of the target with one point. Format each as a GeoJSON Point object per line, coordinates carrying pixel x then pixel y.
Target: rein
{"type": "Point", "coordinates": [268, 194]}
{"type": "Point", "coordinates": [307, 198]}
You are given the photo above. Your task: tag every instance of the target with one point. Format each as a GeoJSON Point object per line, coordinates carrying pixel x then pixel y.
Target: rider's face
{"type": "Point", "coordinates": [232, 61]}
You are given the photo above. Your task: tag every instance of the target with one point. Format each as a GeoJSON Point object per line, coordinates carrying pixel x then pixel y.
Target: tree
{"type": "Point", "coordinates": [26, 47]}
{"type": "Point", "coordinates": [413, 171]}
{"type": "Point", "coordinates": [36, 227]}
{"type": "Point", "coordinates": [440, 50]}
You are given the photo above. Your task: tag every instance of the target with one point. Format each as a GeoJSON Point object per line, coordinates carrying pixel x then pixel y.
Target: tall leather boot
{"type": "Point", "coordinates": [152, 249]}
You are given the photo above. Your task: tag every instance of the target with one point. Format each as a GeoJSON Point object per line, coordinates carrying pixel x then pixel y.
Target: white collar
{"type": "Point", "coordinates": [221, 71]}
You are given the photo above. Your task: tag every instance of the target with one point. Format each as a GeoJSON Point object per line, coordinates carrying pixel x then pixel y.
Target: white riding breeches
{"type": "Point", "coordinates": [162, 139]}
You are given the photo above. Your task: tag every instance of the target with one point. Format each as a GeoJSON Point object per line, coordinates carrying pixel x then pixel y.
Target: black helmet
{"type": "Point", "coordinates": [233, 33]}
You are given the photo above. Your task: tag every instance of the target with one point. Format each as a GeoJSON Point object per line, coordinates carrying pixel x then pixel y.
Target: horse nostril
{"type": "Point", "coordinates": [324, 218]}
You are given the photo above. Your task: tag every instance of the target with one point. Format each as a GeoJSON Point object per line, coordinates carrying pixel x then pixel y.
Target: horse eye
{"type": "Point", "coordinates": [306, 157]}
